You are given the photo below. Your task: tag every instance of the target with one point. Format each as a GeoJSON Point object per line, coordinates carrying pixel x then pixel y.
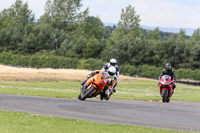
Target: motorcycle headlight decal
{"type": "Point", "coordinates": [162, 82]}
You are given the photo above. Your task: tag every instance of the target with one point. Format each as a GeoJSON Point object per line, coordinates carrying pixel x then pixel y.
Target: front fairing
{"type": "Point", "coordinates": [98, 81]}
{"type": "Point", "coordinates": [165, 83]}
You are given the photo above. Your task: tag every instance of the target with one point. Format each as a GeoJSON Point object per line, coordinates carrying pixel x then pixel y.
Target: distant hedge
{"type": "Point", "coordinates": [154, 72]}
{"type": "Point", "coordinates": [143, 71]}
{"type": "Point", "coordinates": [90, 64]}
{"type": "Point", "coordinates": [51, 61]}
{"type": "Point", "coordinates": [38, 60]}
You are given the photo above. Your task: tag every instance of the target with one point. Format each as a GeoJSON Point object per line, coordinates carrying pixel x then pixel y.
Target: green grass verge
{"type": "Point", "coordinates": [136, 90]}
{"type": "Point", "coordinates": [17, 122]}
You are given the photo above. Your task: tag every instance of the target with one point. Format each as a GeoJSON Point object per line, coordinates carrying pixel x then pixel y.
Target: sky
{"type": "Point", "coordinates": [157, 13]}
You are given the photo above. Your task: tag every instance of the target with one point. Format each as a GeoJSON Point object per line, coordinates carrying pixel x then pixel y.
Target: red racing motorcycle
{"type": "Point", "coordinates": [165, 85]}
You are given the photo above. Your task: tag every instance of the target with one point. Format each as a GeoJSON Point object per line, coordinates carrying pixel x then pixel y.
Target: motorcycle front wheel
{"type": "Point", "coordinates": [164, 95]}
{"type": "Point", "coordinates": [86, 93]}
{"type": "Point", "coordinates": [79, 96]}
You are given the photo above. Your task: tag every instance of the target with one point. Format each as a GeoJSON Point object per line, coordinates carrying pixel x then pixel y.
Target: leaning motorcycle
{"type": "Point", "coordinates": [165, 85]}
{"type": "Point", "coordinates": [94, 86]}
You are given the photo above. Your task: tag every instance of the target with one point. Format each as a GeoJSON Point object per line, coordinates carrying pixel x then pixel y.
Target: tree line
{"type": "Point", "coordinates": [65, 30]}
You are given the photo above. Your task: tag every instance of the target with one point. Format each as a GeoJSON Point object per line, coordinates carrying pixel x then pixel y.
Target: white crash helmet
{"type": "Point", "coordinates": [113, 62]}
{"type": "Point", "coordinates": [111, 72]}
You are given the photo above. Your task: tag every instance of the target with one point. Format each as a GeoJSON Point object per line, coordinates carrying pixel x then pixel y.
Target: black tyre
{"type": "Point", "coordinates": [164, 95]}
{"type": "Point", "coordinates": [79, 96]}
{"type": "Point", "coordinates": [87, 93]}
{"type": "Point", "coordinates": [168, 100]}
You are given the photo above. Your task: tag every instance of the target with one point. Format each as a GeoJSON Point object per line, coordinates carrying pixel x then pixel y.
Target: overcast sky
{"type": "Point", "coordinates": [161, 13]}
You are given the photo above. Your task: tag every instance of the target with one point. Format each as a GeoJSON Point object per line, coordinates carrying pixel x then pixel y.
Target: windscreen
{"type": "Point", "coordinates": [166, 77]}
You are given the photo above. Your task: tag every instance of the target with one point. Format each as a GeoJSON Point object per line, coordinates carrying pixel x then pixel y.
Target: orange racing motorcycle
{"type": "Point", "coordinates": [96, 85]}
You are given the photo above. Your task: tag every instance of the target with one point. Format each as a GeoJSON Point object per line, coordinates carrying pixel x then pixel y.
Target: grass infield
{"type": "Point", "coordinates": [17, 122]}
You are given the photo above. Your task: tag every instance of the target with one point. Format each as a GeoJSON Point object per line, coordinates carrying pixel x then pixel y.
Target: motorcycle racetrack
{"type": "Point", "coordinates": [177, 115]}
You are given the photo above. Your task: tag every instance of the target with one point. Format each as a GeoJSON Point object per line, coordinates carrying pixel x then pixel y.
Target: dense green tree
{"type": "Point", "coordinates": [129, 18]}
{"type": "Point", "coordinates": [64, 14]}
{"type": "Point", "coordinates": [43, 37]}
{"type": "Point", "coordinates": [92, 48]}
{"type": "Point", "coordinates": [76, 43]}
{"type": "Point", "coordinates": [179, 51]}
{"type": "Point", "coordinates": [154, 35]}
{"type": "Point", "coordinates": [15, 24]}
{"type": "Point", "coordinates": [194, 49]}
{"type": "Point", "coordinates": [64, 30]}
{"type": "Point", "coordinates": [93, 26]}
{"type": "Point", "coordinates": [17, 13]}
{"type": "Point", "coordinates": [126, 39]}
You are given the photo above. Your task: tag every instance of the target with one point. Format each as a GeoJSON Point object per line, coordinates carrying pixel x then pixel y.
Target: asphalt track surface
{"type": "Point", "coordinates": [178, 115]}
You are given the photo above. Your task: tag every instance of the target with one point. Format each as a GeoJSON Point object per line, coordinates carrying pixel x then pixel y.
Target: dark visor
{"type": "Point", "coordinates": [111, 74]}
{"type": "Point", "coordinates": [112, 64]}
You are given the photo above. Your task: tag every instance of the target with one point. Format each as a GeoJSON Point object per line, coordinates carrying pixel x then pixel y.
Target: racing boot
{"type": "Point", "coordinates": [107, 97]}
{"type": "Point", "coordinates": [114, 87]}
{"type": "Point", "coordinates": [168, 99]}
{"type": "Point", "coordinates": [101, 97]}
{"type": "Point", "coordinates": [114, 90]}
{"type": "Point", "coordinates": [173, 87]}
